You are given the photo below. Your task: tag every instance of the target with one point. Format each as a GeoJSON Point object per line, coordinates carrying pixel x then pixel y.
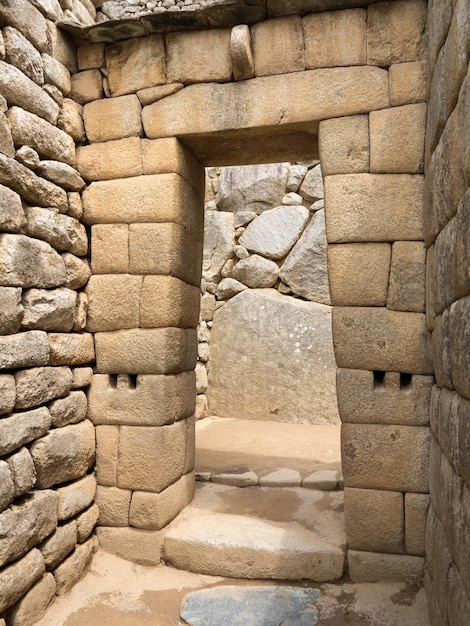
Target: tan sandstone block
{"type": "Point", "coordinates": [146, 351]}
{"type": "Point", "coordinates": [407, 277]}
{"type": "Point", "coordinates": [154, 511]}
{"type": "Point", "coordinates": [152, 94]}
{"type": "Point", "coordinates": [133, 544]}
{"type": "Point", "coordinates": [374, 338]}
{"type": "Point", "coordinates": [165, 249]}
{"type": "Point", "coordinates": [112, 159]}
{"type": "Point", "coordinates": [114, 506]}
{"type": "Point", "coordinates": [168, 301]}
{"type": "Point", "coordinates": [396, 31]}
{"type": "Point", "coordinates": [416, 509]}
{"type": "Point", "coordinates": [278, 46]}
{"type": "Point", "coordinates": [373, 207]}
{"type": "Point", "coordinates": [394, 458]}
{"type": "Point", "coordinates": [151, 458]}
{"type": "Point", "coordinates": [376, 567]}
{"type": "Point", "coordinates": [113, 118]}
{"type": "Point", "coordinates": [91, 56]}
{"type": "Point", "coordinates": [135, 64]}
{"type": "Point", "coordinates": [107, 443]}
{"type": "Point", "coordinates": [35, 603]}
{"type": "Point", "coordinates": [201, 56]}
{"type": "Point", "coordinates": [76, 496]}
{"type": "Point", "coordinates": [151, 401]}
{"type": "Point", "coordinates": [154, 198]}
{"type": "Point", "coordinates": [110, 248]}
{"type": "Point", "coordinates": [397, 139]}
{"type": "Point", "coordinates": [335, 38]}
{"type": "Point", "coordinates": [374, 520]}
{"type": "Point", "coordinates": [74, 567]}
{"type": "Point", "coordinates": [240, 50]}
{"type": "Point", "coordinates": [113, 302]}
{"type": "Point", "coordinates": [407, 83]}
{"type": "Point", "coordinates": [87, 86]}
{"type": "Point", "coordinates": [344, 145]}
{"type": "Point", "coordinates": [71, 348]}
{"type": "Point", "coordinates": [358, 273]}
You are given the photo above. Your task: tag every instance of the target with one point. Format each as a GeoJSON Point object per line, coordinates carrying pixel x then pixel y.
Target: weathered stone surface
{"type": "Point", "coordinates": [26, 524]}
{"type": "Point", "coordinates": [64, 233]}
{"type": "Point", "coordinates": [152, 94]}
{"type": "Point", "coordinates": [107, 442]}
{"type": "Point", "coordinates": [73, 568]}
{"type": "Point", "coordinates": [22, 471]}
{"type": "Point", "coordinates": [62, 47]}
{"type": "Point", "coordinates": [77, 271]}
{"type": "Point", "coordinates": [312, 186]}
{"type": "Point", "coordinates": [7, 487]}
{"type": "Point", "coordinates": [201, 56]}
{"type": "Point", "coordinates": [76, 497]}
{"type": "Point", "coordinates": [7, 147]}
{"type": "Point", "coordinates": [407, 277]}
{"type": "Point", "coordinates": [140, 468]}
{"type": "Point", "coordinates": [7, 393]}
{"type": "Point", "coordinates": [114, 118]}
{"type": "Point", "coordinates": [48, 140]}
{"type": "Point", "coordinates": [12, 217]}
{"type": "Point", "coordinates": [344, 145]}
{"type": "Point", "coordinates": [407, 83]}
{"type": "Point", "coordinates": [146, 351]}
{"type": "Point", "coordinates": [376, 567]}
{"type": "Point", "coordinates": [305, 269]}
{"type": "Point", "coordinates": [168, 301]}
{"type": "Point", "coordinates": [354, 200]}
{"type": "Point", "coordinates": [227, 288]}
{"type": "Point", "coordinates": [17, 579]}
{"type": "Point", "coordinates": [71, 120]}
{"type": "Point", "coordinates": [22, 428]}
{"type": "Point", "coordinates": [296, 175]}
{"type": "Point", "coordinates": [110, 248]}
{"type": "Point", "coordinates": [112, 159]}
{"type": "Point", "coordinates": [114, 506]}
{"type": "Point", "coordinates": [81, 377]}
{"type": "Point", "coordinates": [21, 91]}
{"type": "Point", "coordinates": [11, 310]}
{"type": "Point", "coordinates": [24, 350]}
{"type": "Point", "coordinates": [56, 74]}
{"type": "Point", "coordinates": [35, 603]}
{"type": "Point", "coordinates": [71, 349]}
{"type": "Point", "coordinates": [283, 477]}
{"type": "Point", "coordinates": [38, 385]}
{"type": "Point", "coordinates": [256, 272]}
{"type": "Point", "coordinates": [61, 174]}
{"type": "Point", "coordinates": [49, 309]}
{"type": "Point", "coordinates": [416, 508]}
{"type": "Point", "coordinates": [272, 379]}
{"type": "Point", "coordinates": [458, 348]}
{"type": "Point", "coordinates": [396, 32]}
{"type": "Point", "coordinates": [287, 55]}
{"type": "Point", "coordinates": [218, 243]}
{"type": "Point", "coordinates": [154, 511]}
{"type": "Point", "coordinates": [386, 457]}
{"type": "Point", "coordinates": [86, 522]}
{"type": "Point", "coordinates": [135, 64]}
{"type": "Point", "coordinates": [68, 410]}
{"type": "Point", "coordinates": [114, 302]}
{"type": "Point", "coordinates": [324, 480]}
{"type": "Point", "coordinates": [275, 231]}
{"type": "Point", "coordinates": [137, 545]}
{"type": "Point", "coordinates": [240, 52]}
{"type": "Point", "coordinates": [27, 19]}
{"type": "Point", "coordinates": [23, 55]}
{"type": "Point", "coordinates": [384, 512]}
{"type": "Point", "coordinates": [86, 86]}
{"type": "Point", "coordinates": [64, 454]}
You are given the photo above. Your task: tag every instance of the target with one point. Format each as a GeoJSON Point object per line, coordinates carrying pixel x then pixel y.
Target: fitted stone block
{"type": "Point", "coordinates": [395, 32]}
{"type": "Point", "coordinates": [74, 567]}
{"type": "Point", "coordinates": [373, 207]}
{"type": "Point", "coordinates": [113, 302]}
{"type": "Point", "coordinates": [393, 400]}
{"type": "Point", "coordinates": [114, 506]}
{"type": "Point", "coordinates": [135, 64]}
{"type": "Point", "coordinates": [86, 522]}
{"type": "Point", "coordinates": [241, 53]}
{"type": "Point", "coordinates": [71, 348]}
{"type": "Point", "coordinates": [165, 249]}
{"type": "Point", "coordinates": [168, 301]}
{"type": "Point", "coordinates": [153, 401]}
{"type": "Point", "coordinates": [47, 309]}
{"type": "Point", "coordinates": [133, 544]}
{"type": "Point", "coordinates": [56, 547]}
{"type": "Point", "coordinates": [107, 443]}
{"type": "Point", "coordinates": [393, 458]}
{"type": "Point", "coordinates": [278, 46]}
{"type": "Point", "coordinates": [7, 393]}
{"type": "Point", "coordinates": [111, 159]}
{"type": "Point", "coordinates": [24, 349]}
{"type": "Point", "coordinates": [113, 118]}
{"type": "Point", "coordinates": [459, 335]}
{"type": "Point", "coordinates": [21, 428]}
{"type": "Point", "coordinates": [76, 496]}
{"type": "Point", "coordinates": [17, 578]}
{"type": "Point", "coordinates": [87, 86]}
{"type": "Point", "coordinates": [12, 217]}
{"type": "Point", "coordinates": [374, 520]}
{"type": "Point", "coordinates": [146, 351]}
{"type": "Point", "coordinates": [39, 385]}
{"type": "Point", "coordinates": [201, 56]}
{"type": "Point", "coordinates": [153, 511]}
{"type": "Point", "coordinates": [378, 339]}
{"type": "Point", "coordinates": [344, 145]}
{"type": "Point", "coordinates": [358, 273]}
{"type": "Point", "coordinates": [416, 509]}
{"type": "Point", "coordinates": [407, 83]}
{"type": "Point", "coordinates": [90, 56]}
{"type": "Point", "coordinates": [110, 248]}
{"type": "Point", "coordinates": [325, 42]}
{"type": "Point", "coordinates": [11, 310]}
{"type": "Point", "coordinates": [397, 139]}
{"type": "Point", "coordinates": [407, 277]}
{"type": "Point", "coordinates": [151, 458]}
{"type": "Point", "coordinates": [27, 19]}
{"type": "Point", "coordinates": [375, 567]}
{"type": "Point", "coordinates": [35, 603]}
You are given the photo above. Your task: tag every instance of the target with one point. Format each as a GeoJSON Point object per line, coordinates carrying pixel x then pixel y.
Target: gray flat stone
{"type": "Point", "coordinates": [251, 606]}
{"type": "Point", "coordinates": [283, 477]}
{"type": "Point", "coordinates": [325, 480]}
{"type": "Point", "coordinates": [245, 479]}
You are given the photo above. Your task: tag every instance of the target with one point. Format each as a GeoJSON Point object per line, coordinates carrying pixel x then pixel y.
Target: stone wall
{"type": "Point", "coordinates": [447, 236]}
{"type": "Point", "coordinates": [47, 446]}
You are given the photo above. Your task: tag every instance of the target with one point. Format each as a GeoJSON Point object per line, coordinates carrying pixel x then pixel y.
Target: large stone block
{"type": "Point", "coordinates": [373, 207]}
{"type": "Point", "coordinates": [56, 74]}
{"type": "Point", "coordinates": [64, 454]}
{"type": "Point", "coordinates": [87, 86]}
{"type": "Point", "coordinates": [71, 120]}
{"type": "Point", "coordinates": [151, 458]}
{"type": "Point", "coordinates": [168, 301]}
{"type": "Point", "coordinates": [384, 529]}
{"type": "Point", "coordinates": [219, 240]}
{"type": "Point", "coordinates": [27, 19]}
{"type": "Point", "coordinates": [135, 64]}
{"type": "Point", "coordinates": [278, 46]}
{"type": "Point", "coordinates": [63, 232]}
{"type": "Point", "coordinates": [359, 273]}
{"type": "Point", "coordinates": [23, 55]}
{"type": "Point", "coordinates": [11, 310]}
{"type": "Point", "coordinates": [133, 544]}
{"type": "Point", "coordinates": [18, 578]}
{"type": "Point", "coordinates": [24, 349]}
{"type": "Point", "coordinates": [91, 56]}
{"type": "Point", "coordinates": [86, 522]}
{"type": "Point", "coordinates": [407, 277]}
{"type": "Point", "coordinates": [407, 83]}
{"type": "Point", "coordinates": [325, 42]}
{"type": "Point", "coordinates": [71, 348]}
{"type": "Point", "coordinates": [396, 32]}
{"type": "Point", "coordinates": [241, 53]}
{"type": "Point", "coordinates": [12, 217]}
{"type": "Point", "coordinates": [114, 506]}
{"type": "Point", "coordinates": [375, 567]}
{"type": "Point", "coordinates": [55, 548]}
{"type": "Point", "coordinates": [146, 351]}
{"type": "Point", "coordinates": [395, 399]}
{"type": "Point", "coordinates": [110, 248]}
{"type": "Point", "coordinates": [153, 401]}
{"type": "Point", "coordinates": [459, 327]}
{"type": "Point", "coordinates": [47, 309]}
{"type": "Point", "coordinates": [397, 139]}
{"type": "Point", "coordinates": [113, 118]}
{"type": "Point", "coordinates": [22, 471]}
{"type": "Point", "coordinates": [107, 445]}
{"type": "Point", "coordinates": [70, 571]}
{"type": "Point", "coordinates": [394, 458]}
{"type": "Point", "coordinates": [34, 604]}
{"type": "Point", "coordinates": [39, 385]}
{"type": "Point", "coordinates": [76, 497]}
{"type": "Point", "coordinates": [201, 56]}
{"type": "Point", "coordinates": [111, 159]}
{"type": "Point", "coordinates": [21, 428]}
{"type": "Point", "coordinates": [377, 339]}
{"type": "Point", "coordinates": [153, 511]}
{"type": "Point", "coordinates": [344, 145]}
{"type": "Point", "coordinates": [416, 509]}
{"type": "Point", "coordinates": [113, 302]}
{"type": "Point", "coordinates": [276, 368]}
{"type": "Point", "coordinates": [256, 272]}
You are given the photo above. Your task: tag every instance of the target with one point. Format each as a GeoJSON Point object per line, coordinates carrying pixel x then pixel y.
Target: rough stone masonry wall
{"type": "Point", "coordinates": [47, 445]}
{"type": "Point", "coordinates": [447, 223]}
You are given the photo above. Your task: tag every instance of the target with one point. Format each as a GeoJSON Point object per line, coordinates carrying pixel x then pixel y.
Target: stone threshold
{"type": "Point", "coordinates": [322, 480]}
